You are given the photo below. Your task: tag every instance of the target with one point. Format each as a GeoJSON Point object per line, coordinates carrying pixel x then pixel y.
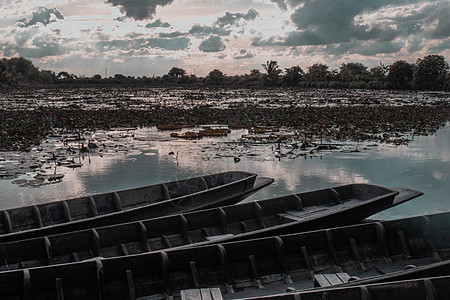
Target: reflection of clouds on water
{"type": "Point", "coordinates": [439, 176]}
{"type": "Point", "coordinates": [345, 177]}
{"type": "Point", "coordinates": [152, 158]}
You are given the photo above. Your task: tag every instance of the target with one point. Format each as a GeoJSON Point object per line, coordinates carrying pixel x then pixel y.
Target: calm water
{"type": "Point", "coordinates": [423, 165]}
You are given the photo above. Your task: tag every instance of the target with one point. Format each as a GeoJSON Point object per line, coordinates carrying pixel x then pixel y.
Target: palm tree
{"type": "Point", "coordinates": [272, 70]}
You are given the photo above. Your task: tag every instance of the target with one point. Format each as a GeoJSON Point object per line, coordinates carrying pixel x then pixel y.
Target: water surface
{"type": "Point", "coordinates": [422, 165]}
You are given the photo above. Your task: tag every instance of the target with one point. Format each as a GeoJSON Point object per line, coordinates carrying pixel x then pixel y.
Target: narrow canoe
{"type": "Point", "coordinates": [242, 221]}
{"type": "Point", "coordinates": [432, 288]}
{"type": "Point", "coordinates": [244, 268]}
{"type": "Point", "coordinates": [129, 205]}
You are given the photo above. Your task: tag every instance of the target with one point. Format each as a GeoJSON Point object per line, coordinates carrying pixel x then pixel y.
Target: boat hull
{"type": "Point", "coordinates": [288, 214]}
{"type": "Point", "coordinates": [245, 268]}
{"type": "Point", "coordinates": [129, 205]}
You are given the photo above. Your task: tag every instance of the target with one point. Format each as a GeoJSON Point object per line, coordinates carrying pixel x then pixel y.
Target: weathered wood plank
{"type": "Point", "coordinates": [192, 294]}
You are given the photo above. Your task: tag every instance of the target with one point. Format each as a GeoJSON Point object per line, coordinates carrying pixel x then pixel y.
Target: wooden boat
{"type": "Point", "coordinates": [256, 129]}
{"type": "Point", "coordinates": [174, 126]}
{"type": "Point", "coordinates": [243, 268]}
{"type": "Point", "coordinates": [214, 132]}
{"type": "Point", "coordinates": [242, 221]}
{"type": "Point", "coordinates": [129, 205]}
{"type": "Point", "coordinates": [239, 125]}
{"type": "Point", "coordinates": [432, 288]}
{"type": "Point", "coordinates": [190, 135]}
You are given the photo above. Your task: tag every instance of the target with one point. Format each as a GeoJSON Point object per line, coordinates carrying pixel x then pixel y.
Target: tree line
{"type": "Point", "coordinates": [429, 73]}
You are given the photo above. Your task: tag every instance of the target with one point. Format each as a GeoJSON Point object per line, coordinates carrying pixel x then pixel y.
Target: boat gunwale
{"type": "Point", "coordinates": [250, 176]}
{"type": "Point", "coordinates": [337, 209]}
{"type": "Point", "coordinates": [132, 261]}
{"type": "Point", "coordinates": [315, 291]}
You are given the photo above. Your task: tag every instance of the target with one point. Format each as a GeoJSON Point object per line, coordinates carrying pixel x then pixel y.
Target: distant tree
{"type": "Point", "coordinates": [254, 78]}
{"type": "Point", "coordinates": [63, 75]}
{"type": "Point", "coordinates": [379, 73]}
{"type": "Point", "coordinates": [292, 76]}
{"type": "Point", "coordinates": [400, 75]}
{"type": "Point", "coordinates": [318, 72]}
{"type": "Point", "coordinates": [177, 73]}
{"type": "Point", "coordinates": [119, 76]}
{"type": "Point", "coordinates": [215, 76]}
{"type": "Point", "coordinates": [97, 76]}
{"type": "Point", "coordinates": [431, 73]}
{"type": "Point", "coordinates": [47, 76]}
{"type": "Point", "coordinates": [273, 72]}
{"type": "Point", "coordinates": [23, 67]}
{"type": "Point", "coordinates": [353, 72]}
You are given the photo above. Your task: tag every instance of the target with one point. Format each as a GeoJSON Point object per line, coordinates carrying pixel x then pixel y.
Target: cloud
{"type": "Point", "coordinates": [157, 24]}
{"type": "Point", "coordinates": [212, 44]}
{"type": "Point", "coordinates": [442, 46]}
{"type": "Point", "coordinates": [243, 54]}
{"type": "Point", "coordinates": [142, 43]}
{"type": "Point", "coordinates": [283, 4]}
{"type": "Point", "coordinates": [280, 3]}
{"type": "Point", "coordinates": [362, 48]}
{"type": "Point", "coordinates": [27, 44]}
{"type": "Point", "coordinates": [169, 44]}
{"type": "Point", "coordinates": [321, 22]}
{"type": "Point", "coordinates": [438, 21]}
{"type": "Point", "coordinates": [44, 16]}
{"type": "Point", "coordinates": [42, 47]}
{"type": "Point", "coordinates": [365, 27]}
{"type": "Point", "coordinates": [171, 34]}
{"type": "Point", "coordinates": [220, 26]}
{"type": "Point", "coordinates": [199, 30]}
{"type": "Point", "coordinates": [139, 9]}
{"type": "Point", "coordinates": [233, 18]}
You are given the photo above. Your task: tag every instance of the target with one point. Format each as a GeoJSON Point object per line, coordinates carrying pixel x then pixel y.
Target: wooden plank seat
{"type": "Point", "coordinates": [324, 280]}
{"type": "Point", "coordinates": [201, 294]}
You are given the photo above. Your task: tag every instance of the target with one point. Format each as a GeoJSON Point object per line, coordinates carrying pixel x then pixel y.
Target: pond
{"type": "Point", "coordinates": [147, 156]}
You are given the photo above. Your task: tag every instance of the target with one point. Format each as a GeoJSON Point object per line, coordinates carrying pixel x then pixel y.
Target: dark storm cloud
{"type": "Point", "coordinates": [326, 22]}
{"type": "Point", "coordinates": [212, 44]}
{"type": "Point", "coordinates": [336, 26]}
{"type": "Point", "coordinates": [139, 9]}
{"type": "Point", "coordinates": [157, 24]}
{"type": "Point", "coordinates": [44, 16]}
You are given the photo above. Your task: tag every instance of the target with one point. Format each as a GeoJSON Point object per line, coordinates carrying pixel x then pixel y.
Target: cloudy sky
{"type": "Point", "coordinates": [148, 37]}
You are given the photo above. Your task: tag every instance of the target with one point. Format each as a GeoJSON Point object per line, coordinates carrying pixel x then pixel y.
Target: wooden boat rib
{"type": "Point", "coordinates": [244, 268]}
{"type": "Point", "coordinates": [242, 221]}
{"type": "Point", "coordinates": [432, 288]}
{"type": "Point", "coordinates": [128, 205]}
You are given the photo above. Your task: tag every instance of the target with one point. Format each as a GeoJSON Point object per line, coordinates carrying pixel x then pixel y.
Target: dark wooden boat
{"type": "Point", "coordinates": [128, 205]}
{"type": "Point", "coordinates": [190, 135]}
{"type": "Point", "coordinates": [242, 221]}
{"type": "Point", "coordinates": [174, 126]}
{"type": "Point", "coordinates": [432, 288]}
{"type": "Point", "coordinates": [244, 268]}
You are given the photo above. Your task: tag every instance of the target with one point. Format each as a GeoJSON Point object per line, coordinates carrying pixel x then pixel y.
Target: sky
{"type": "Point", "coordinates": [148, 37]}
